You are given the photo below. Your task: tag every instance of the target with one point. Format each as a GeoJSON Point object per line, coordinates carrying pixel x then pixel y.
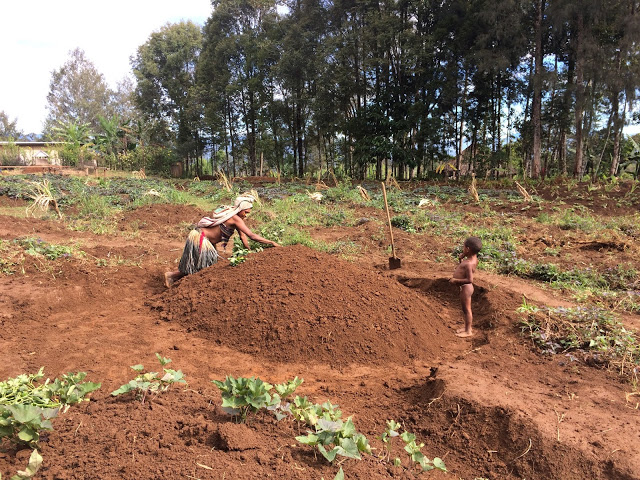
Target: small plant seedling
{"type": "Point", "coordinates": [310, 413]}
{"type": "Point", "coordinates": [151, 382]}
{"type": "Point", "coordinates": [240, 254]}
{"type": "Point", "coordinates": [413, 449]}
{"type": "Point", "coordinates": [390, 432]}
{"type": "Point", "coordinates": [241, 396]}
{"type": "Point", "coordinates": [346, 441]}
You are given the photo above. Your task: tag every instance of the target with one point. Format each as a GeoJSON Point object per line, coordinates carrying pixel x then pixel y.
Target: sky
{"type": "Point", "coordinates": [37, 36]}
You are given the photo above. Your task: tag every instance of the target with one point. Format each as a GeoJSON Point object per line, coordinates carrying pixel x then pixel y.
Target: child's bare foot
{"type": "Point", "coordinates": [462, 333]}
{"type": "Point", "coordinates": [168, 280]}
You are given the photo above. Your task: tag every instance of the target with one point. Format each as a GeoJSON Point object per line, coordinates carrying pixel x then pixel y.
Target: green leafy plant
{"type": "Point", "coordinates": [391, 432]}
{"type": "Point", "coordinates": [333, 438]}
{"type": "Point", "coordinates": [27, 404]}
{"type": "Point", "coordinates": [241, 396]}
{"type": "Point", "coordinates": [310, 413]}
{"type": "Point", "coordinates": [23, 423]}
{"type": "Point", "coordinates": [240, 254]}
{"type": "Point", "coordinates": [403, 222]}
{"type": "Point", "coordinates": [411, 447]}
{"type": "Point", "coordinates": [151, 382]}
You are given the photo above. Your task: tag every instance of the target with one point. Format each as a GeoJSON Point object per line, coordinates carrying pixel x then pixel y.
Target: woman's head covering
{"type": "Point", "coordinates": [244, 202]}
{"type": "Point", "coordinates": [222, 214]}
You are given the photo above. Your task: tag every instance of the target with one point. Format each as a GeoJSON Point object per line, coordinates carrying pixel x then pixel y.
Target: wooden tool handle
{"type": "Point", "coordinates": [386, 206]}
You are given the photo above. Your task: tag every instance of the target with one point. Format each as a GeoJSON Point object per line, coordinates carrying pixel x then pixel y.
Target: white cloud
{"type": "Point", "coordinates": [37, 36]}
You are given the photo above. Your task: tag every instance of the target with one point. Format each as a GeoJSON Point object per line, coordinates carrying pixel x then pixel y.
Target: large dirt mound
{"type": "Point", "coordinates": [297, 304]}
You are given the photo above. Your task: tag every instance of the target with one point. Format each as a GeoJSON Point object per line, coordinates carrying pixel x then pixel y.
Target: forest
{"type": "Point", "coordinates": [409, 89]}
{"type": "Point", "coordinates": [539, 87]}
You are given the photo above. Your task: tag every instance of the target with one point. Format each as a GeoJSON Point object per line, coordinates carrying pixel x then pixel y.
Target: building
{"type": "Point", "coordinates": [30, 153]}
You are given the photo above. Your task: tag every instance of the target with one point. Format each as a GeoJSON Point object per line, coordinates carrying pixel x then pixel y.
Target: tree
{"type": "Point", "coordinates": [78, 93]}
{"type": "Point", "coordinates": [8, 129]}
{"type": "Point", "coordinates": [166, 93]}
{"type": "Point", "coordinates": [76, 136]}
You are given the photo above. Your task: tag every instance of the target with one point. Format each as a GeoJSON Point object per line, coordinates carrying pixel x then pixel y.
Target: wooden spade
{"type": "Point", "coordinates": [394, 262]}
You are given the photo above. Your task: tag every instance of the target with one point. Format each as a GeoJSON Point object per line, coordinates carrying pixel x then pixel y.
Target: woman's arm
{"type": "Point", "coordinates": [244, 239]}
{"type": "Point", "coordinates": [244, 230]}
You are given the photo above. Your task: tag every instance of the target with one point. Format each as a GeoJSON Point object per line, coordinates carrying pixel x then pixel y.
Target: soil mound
{"type": "Point", "coordinates": [297, 304]}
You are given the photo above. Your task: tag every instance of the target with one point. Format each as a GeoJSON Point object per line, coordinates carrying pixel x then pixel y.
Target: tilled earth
{"type": "Point", "coordinates": [378, 343]}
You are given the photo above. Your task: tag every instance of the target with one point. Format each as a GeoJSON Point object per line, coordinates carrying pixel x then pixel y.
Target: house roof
{"type": "Point", "coordinates": [32, 144]}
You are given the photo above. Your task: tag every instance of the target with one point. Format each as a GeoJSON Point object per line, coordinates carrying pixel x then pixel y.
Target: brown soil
{"type": "Point", "coordinates": [379, 343]}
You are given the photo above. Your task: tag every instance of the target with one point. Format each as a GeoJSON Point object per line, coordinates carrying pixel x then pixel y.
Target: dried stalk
{"type": "Point", "coordinates": [523, 192]}
{"type": "Point", "coordinates": [472, 189]}
{"type": "Point", "coordinates": [43, 198]}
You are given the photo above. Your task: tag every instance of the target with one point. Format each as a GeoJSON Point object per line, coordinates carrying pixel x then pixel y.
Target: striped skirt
{"type": "Point", "coordinates": [198, 253]}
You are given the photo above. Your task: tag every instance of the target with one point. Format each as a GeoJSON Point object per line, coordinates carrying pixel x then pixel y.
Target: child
{"type": "Point", "coordinates": [463, 276]}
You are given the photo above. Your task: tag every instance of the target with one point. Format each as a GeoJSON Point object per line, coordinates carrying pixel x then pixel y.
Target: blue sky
{"type": "Point", "coordinates": [37, 36]}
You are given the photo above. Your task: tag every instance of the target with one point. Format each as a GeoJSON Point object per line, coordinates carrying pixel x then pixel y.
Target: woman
{"type": "Point", "coordinates": [200, 251]}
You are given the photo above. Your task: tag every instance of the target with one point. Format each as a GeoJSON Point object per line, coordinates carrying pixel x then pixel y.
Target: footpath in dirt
{"type": "Point", "coordinates": [378, 343]}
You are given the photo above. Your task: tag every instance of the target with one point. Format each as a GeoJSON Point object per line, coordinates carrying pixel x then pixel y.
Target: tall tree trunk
{"type": "Point", "coordinates": [231, 135]}
{"type": "Point", "coordinates": [461, 131]}
{"type": "Point", "coordinates": [299, 129]}
{"type": "Point", "coordinates": [251, 132]}
{"type": "Point", "coordinates": [537, 94]}
{"type": "Point", "coordinates": [579, 107]}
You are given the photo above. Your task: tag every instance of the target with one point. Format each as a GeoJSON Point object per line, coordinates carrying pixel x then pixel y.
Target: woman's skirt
{"type": "Point", "coordinates": [198, 253]}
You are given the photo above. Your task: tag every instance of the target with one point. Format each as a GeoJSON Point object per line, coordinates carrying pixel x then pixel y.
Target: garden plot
{"type": "Point", "coordinates": [495, 406]}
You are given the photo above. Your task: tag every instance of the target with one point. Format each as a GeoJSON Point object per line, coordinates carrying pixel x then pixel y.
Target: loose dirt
{"type": "Point", "coordinates": [379, 343]}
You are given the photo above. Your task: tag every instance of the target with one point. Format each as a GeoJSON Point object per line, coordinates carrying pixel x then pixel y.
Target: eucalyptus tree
{"type": "Point", "coordinates": [78, 93]}
{"type": "Point", "coordinates": [234, 75]}
{"type": "Point", "coordinates": [297, 72]}
{"type": "Point", "coordinates": [165, 71]}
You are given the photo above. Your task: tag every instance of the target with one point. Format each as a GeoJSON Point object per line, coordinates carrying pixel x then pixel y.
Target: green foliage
{"type": "Point", "coordinates": [38, 247]}
{"type": "Point", "coordinates": [151, 382]}
{"type": "Point", "coordinates": [244, 395]}
{"type": "Point", "coordinates": [594, 332]}
{"type": "Point", "coordinates": [347, 249]}
{"type": "Point", "coordinates": [96, 205]}
{"type": "Point", "coordinates": [27, 404]}
{"type": "Point", "coordinates": [285, 234]}
{"type": "Point", "coordinates": [303, 410]}
{"type": "Point", "coordinates": [10, 154]}
{"type": "Point", "coordinates": [403, 222]}
{"type": "Point", "coordinates": [239, 253]}
{"type": "Point", "coordinates": [23, 423]}
{"type": "Point", "coordinates": [241, 396]}
{"type": "Point", "coordinates": [411, 447]}
{"type": "Point", "coordinates": [333, 438]}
